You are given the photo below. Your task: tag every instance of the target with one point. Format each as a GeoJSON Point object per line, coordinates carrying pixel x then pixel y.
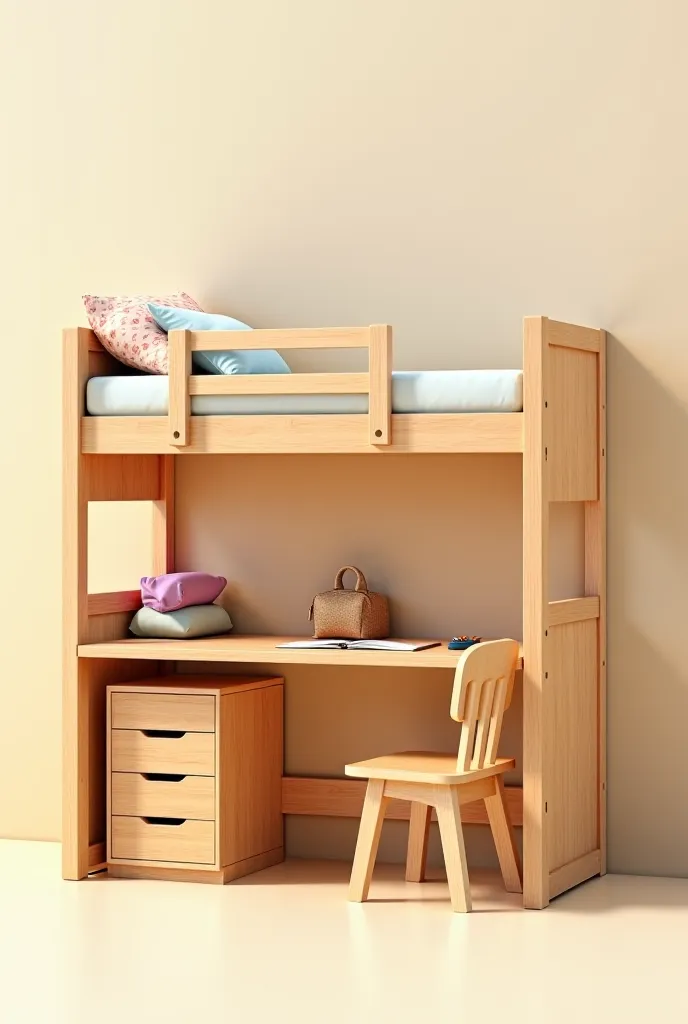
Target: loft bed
{"type": "Point", "coordinates": [560, 432]}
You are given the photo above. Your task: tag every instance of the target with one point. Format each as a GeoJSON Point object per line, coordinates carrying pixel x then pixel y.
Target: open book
{"type": "Point", "coordinates": [360, 645]}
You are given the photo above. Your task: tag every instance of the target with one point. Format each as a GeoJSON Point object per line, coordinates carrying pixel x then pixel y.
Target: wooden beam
{"type": "Point", "coordinates": [596, 583]}
{"type": "Point", "coordinates": [280, 384]}
{"type": "Point", "coordinates": [575, 609]}
{"type": "Point", "coordinates": [179, 345]}
{"type": "Point", "coordinates": [75, 695]}
{"type": "Point", "coordinates": [535, 583]}
{"type": "Point", "coordinates": [319, 337]}
{"type": "Point", "coordinates": [116, 601]}
{"type": "Point", "coordinates": [343, 798]}
{"type": "Point", "coordinates": [380, 407]}
{"type": "Point", "coordinates": [328, 435]}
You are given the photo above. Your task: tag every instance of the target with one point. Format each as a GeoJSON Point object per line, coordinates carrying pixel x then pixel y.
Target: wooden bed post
{"type": "Point", "coordinates": [535, 582]}
{"type": "Point", "coordinates": [100, 616]}
{"type": "Point", "coordinates": [75, 697]}
{"type": "Point", "coordinates": [564, 688]}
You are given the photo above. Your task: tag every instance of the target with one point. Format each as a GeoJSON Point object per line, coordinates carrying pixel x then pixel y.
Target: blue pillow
{"type": "Point", "coordinates": [240, 361]}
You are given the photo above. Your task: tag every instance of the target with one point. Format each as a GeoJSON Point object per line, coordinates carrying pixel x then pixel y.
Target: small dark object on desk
{"type": "Point", "coordinates": [462, 643]}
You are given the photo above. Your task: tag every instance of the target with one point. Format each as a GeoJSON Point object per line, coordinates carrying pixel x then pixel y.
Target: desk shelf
{"type": "Point", "coordinates": [263, 650]}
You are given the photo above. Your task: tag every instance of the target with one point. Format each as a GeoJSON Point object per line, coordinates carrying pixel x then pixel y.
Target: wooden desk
{"type": "Point", "coordinates": [263, 650]}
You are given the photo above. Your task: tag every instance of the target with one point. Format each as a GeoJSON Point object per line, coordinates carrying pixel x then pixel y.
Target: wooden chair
{"type": "Point", "coordinates": [482, 691]}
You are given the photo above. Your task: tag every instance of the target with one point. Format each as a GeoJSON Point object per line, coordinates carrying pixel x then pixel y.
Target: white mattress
{"type": "Point", "coordinates": [413, 391]}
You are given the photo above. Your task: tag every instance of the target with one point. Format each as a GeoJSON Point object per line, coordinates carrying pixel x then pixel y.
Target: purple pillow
{"type": "Point", "coordinates": [180, 589]}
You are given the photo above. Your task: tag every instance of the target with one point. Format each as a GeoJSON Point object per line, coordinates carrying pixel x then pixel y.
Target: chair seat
{"type": "Point", "coordinates": [424, 766]}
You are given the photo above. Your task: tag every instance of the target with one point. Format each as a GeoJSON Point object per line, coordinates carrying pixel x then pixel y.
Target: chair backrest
{"type": "Point", "coordinates": [483, 685]}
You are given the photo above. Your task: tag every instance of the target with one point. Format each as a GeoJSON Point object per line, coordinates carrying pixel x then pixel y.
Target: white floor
{"type": "Point", "coordinates": [286, 946]}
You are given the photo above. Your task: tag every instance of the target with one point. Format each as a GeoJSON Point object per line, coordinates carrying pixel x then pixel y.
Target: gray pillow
{"type": "Point", "coordinates": [196, 620]}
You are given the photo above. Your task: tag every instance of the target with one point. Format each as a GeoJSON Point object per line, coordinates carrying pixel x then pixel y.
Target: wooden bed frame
{"type": "Point", "coordinates": [561, 435]}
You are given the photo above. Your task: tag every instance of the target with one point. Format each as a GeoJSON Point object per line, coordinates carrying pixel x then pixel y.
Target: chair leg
{"type": "Point", "coordinates": [451, 833]}
{"type": "Point", "coordinates": [417, 852]}
{"type": "Point", "coordinates": [368, 840]}
{"type": "Point", "coordinates": [504, 839]}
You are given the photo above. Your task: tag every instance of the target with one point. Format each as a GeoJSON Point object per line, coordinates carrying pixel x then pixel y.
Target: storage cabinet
{"type": "Point", "coordinates": [194, 774]}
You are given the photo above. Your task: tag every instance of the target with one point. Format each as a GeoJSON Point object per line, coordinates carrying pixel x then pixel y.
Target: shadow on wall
{"type": "Point", "coordinates": [648, 621]}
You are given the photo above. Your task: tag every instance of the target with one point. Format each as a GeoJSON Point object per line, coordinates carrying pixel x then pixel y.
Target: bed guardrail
{"type": "Point", "coordinates": [376, 382]}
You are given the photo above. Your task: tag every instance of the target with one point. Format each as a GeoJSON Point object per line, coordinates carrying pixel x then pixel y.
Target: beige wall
{"type": "Point", "coordinates": [446, 167]}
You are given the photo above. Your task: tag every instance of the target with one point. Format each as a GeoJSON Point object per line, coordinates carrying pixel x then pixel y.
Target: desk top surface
{"type": "Point", "coordinates": [264, 650]}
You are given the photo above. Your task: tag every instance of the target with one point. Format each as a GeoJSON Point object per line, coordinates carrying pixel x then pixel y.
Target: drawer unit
{"type": "Point", "coordinates": [194, 777]}
{"type": "Point", "coordinates": [181, 753]}
{"type": "Point", "coordinates": [164, 839]}
{"type": "Point", "coordinates": [159, 795]}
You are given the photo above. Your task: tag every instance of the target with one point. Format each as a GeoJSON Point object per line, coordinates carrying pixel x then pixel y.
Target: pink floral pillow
{"type": "Point", "coordinates": [128, 331]}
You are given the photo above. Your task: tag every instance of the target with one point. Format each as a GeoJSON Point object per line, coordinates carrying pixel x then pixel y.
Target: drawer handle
{"type": "Point", "coordinates": [164, 821]}
{"type": "Point", "coordinates": [162, 777]}
{"type": "Point", "coordinates": [165, 734]}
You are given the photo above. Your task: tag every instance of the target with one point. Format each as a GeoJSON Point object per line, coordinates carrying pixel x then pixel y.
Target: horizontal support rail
{"type": "Point", "coordinates": [575, 609]}
{"type": "Point", "coordinates": [343, 798]}
{"type": "Point", "coordinates": [280, 384]}
{"type": "Point", "coordinates": [116, 601]}
{"type": "Point", "coordinates": [346, 434]}
{"type": "Point", "coordinates": [318, 337]}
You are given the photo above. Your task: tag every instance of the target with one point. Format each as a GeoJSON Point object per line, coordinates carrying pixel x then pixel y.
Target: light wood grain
{"type": "Point", "coordinates": [116, 601]}
{"type": "Point", "coordinates": [250, 773]}
{"type": "Point", "coordinates": [368, 841]}
{"type": "Point", "coordinates": [571, 738]}
{"type": "Point", "coordinates": [574, 873]}
{"type": "Point", "coordinates": [123, 478]}
{"type": "Point", "coordinates": [483, 686]}
{"type": "Point", "coordinates": [312, 337]}
{"type": "Point", "coordinates": [424, 766]}
{"type": "Point", "coordinates": [108, 627]}
{"type": "Point", "coordinates": [75, 694]}
{"type": "Point", "coordinates": [483, 683]}
{"type": "Point", "coordinates": [97, 857]}
{"type": "Point", "coordinates": [192, 796]}
{"type": "Point", "coordinates": [380, 407]}
{"type": "Point", "coordinates": [163, 519]}
{"type": "Point", "coordinates": [135, 710]}
{"type": "Point", "coordinates": [348, 434]}
{"type": "Point", "coordinates": [451, 833]}
{"type": "Point", "coordinates": [265, 650]}
{"type": "Point", "coordinates": [191, 842]}
{"type": "Point", "coordinates": [586, 339]}
{"type": "Point", "coordinates": [181, 873]}
{"type": "Point", "coordinates": [190, 754]}
{"type": "Point", "coordinates": [280, 384]}
{"type": "Point", "coordinates": [343, 798]}
{"type": "Point", "coordinates": [168, 873]}
{"type": "Point", "coordinates": [507, 851]}
{"type": "Point", "coordinates": [535, 583]}
{"type": "Point", "coordinates": [571, 395]}
{"type": "Point", "coordinates": [417, 851]}
{"type": "Point", "coordinates": [575, 609]}
{"type": "Point", "coordinates": [214, 685]}
{"type": "Point", "coordinates": [179, 347]}
{"type": "Point", "coordinates": [596, 583]}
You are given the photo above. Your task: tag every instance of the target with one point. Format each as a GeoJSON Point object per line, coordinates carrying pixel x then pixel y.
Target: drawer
{"type": "Point", "coordinates": [186, 713]}
{"type": "Point", "coordinates": [171, 796]}
{"type": "Point", "coordinates": [178, 753]}
{"type": "Point", "coordinates": [187, 842]}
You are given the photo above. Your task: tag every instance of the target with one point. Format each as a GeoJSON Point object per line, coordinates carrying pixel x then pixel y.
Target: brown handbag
{"type": "Point", "coordinates": [355, 614]}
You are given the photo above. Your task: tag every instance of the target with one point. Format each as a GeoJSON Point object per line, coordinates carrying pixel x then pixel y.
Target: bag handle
{"type": "Point", "coordinates": [360, 578]}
